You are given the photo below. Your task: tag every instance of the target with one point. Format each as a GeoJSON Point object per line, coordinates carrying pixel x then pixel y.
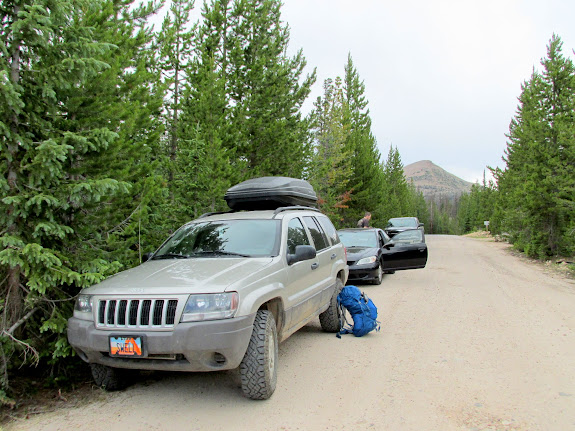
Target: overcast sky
{"type": "Point", "coordinates": [442, 77]}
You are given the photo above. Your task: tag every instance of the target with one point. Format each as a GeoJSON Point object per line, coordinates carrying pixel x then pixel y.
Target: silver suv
{"type": "Point", "coordinates": [221, 293]}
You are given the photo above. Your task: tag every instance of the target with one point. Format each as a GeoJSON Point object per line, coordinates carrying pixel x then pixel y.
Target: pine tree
{"type": "Point", "coordinates": [175, 55]}
{"type": "Point", "coordinates": [208, 165]}
{"type": "Point", "coordinates": [56, 140]}
{"type": "Point", "coordinates": [330, 168]}
{"type": "Point", "coordinates": [398, 201]}
{"type": "Point", "coordinates": [366, 181]}
{"type": "Point", "coordinates": [127, 97]}
{"type": "Point", "coordinates": [265, 91]}
{"type": "Point", "coordinates": [537, 193]}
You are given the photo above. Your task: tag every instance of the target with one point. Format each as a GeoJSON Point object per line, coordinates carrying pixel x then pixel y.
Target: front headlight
{"type": "Point", "coordinates": [210, 306]}
{"type": "Point", "coordinates": [83, 307]}
{"type": "Point", "coordinates": [366, 260]}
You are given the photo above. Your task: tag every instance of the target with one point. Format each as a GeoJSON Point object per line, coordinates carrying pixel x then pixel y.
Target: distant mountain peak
{"type": "Point", "coordinates": [434, 181]}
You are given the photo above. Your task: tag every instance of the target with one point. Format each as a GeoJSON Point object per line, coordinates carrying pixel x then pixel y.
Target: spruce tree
{"type": "Point", "coordinates": [330, 168]}
{"type": "Point", "coordinates": [536, 189]}
{"type": "Point", "coordinates": [128, 98]}
{"type": "Point", "coordinates": [366, 181]}
{"type": "Point", "coordinates": [57, 138]}
{"type": "Point", "coordinates": [397, 202]}
{"type": "Point", "coordinates": [209, 166]}
{"type": "Point", "coordinates": [175, 54]}
{"type": "Point", "coordinates": [267, 91]}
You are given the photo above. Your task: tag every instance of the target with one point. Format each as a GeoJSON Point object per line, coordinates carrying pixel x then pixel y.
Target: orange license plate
{"type": "Point", "coordinates": [126, 346]}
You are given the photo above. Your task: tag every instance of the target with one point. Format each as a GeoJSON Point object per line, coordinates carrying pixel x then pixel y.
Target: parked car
{"type": "Point", "coordinates": [221, 293]}
{"type": "Point", "coordinates": [399, 224]}
{"type": "Point", "coordinates": [371, 253]}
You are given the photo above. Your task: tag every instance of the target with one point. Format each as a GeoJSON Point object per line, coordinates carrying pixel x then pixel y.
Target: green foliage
{"type": "Point", "coordinates": [73, 136]}
{"type": "Point", "coordinates": [476, 207]}
{"type": "Point", "coordinates": [536, 190]}
{"type": "Point", "coordinates": [330, 168]}
{"type": "Point", "coordinates": [111, 136]}
{"type": "Point", "coordinates": [367, 179]}
{"type": "Point", "coordinates": [265, 93]}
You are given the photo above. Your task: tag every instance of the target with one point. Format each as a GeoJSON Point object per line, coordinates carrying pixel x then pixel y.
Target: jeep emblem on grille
{"type": "Point", "coordinates": [137, 290]}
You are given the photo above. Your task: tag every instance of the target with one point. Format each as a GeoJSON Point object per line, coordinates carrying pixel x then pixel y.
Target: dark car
{"type": "Point", "coordinates": [371, 252]}
{"type": "Point", "coordinates": [399, 224]}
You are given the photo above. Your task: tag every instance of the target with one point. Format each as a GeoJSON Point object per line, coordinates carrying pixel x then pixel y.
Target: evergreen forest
{"type": "Point", "coordinates": [113, 133]}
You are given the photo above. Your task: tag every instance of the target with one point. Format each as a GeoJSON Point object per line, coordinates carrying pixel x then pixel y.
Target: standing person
{"type": "Point", "coordinates": [364, 222]}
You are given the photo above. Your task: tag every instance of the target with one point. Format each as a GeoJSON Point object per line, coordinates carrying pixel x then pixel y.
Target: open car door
{"type": "Point", "coordinates": [406, 250]}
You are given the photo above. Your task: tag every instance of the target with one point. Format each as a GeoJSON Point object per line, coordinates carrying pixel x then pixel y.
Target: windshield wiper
{"type": "Point", "coordinates": [219, 253]}
{"type": "Point", "coordinates": [171, 256]}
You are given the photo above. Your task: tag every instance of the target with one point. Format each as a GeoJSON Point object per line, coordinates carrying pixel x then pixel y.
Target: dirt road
{"type": "Point", "coordinates": [479, 340]}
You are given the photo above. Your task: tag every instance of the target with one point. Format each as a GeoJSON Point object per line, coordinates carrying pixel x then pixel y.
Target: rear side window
{"type": "Point", "coordinates": [329, 229]}
{"type": "Point", "coordinates": [296, 235]}
{"type": "Point", "coordinates": [317, 234]}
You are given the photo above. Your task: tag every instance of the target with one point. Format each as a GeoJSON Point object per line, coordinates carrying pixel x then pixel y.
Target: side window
{"type": "Point", "coordinates": [329, 229]}
{"type": "Point", "coordinates": [317, 234]}
{"type": "Point", "coordinates": [296, 235]}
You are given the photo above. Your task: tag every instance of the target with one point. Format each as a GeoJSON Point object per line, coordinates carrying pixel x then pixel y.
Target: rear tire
{"type": "Point", "coordinates": [111, 379]}
{"type": "Point", "coordinates": [258, 371]}
{"type": "Point", "coordinates": [329, 319]}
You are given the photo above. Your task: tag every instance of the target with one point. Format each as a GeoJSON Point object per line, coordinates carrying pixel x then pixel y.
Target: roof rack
{"type": "Point", "coordinates": [276, 211]}
{"type": "Point", "coordinates": [216, 213]}
{"type": "Point", "coordinates": [296, 207]}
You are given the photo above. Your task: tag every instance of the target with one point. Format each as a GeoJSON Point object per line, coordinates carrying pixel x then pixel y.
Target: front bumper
{"type": "Point", "coordinates": [193, 346]}
{"type": "Point", "coordinates": [362, 273]}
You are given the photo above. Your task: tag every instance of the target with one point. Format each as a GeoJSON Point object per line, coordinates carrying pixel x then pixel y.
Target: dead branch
{"type": "Point", "coordinates": [27, 348]}
{"type": "Point", "coordinates": [20, 322]}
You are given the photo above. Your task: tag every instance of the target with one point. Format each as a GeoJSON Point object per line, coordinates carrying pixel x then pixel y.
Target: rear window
{"type": "Point", "coordinates": [402, 222]}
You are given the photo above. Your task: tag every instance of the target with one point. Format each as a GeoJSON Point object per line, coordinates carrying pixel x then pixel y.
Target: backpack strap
{"type": "Point", "coordinates": [344, 326]}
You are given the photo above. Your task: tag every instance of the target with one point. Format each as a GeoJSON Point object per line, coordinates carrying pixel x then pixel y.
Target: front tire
{"type": "Point", "coordinates": [329, 319]}
{"type": "Point", "coordinates": [258, 372]}
{"type": "Point", "coordinates": [110, 379]}
{"type": "Point", "coordinates": [379, 276]}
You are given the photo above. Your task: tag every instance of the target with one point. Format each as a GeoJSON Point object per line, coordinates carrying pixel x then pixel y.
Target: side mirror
{"type": "Point", "coordinates": [420, 224]}
{"type": "Point", "coordinates": [146, 256]}
{"type": "Point", "coordinates": [389, 245]}
{"type": "Point", "coordinates": [302, 252]}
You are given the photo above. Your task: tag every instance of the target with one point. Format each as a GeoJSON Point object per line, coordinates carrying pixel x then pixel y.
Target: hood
{"type": "Point", "coordinates": [180, 276]}
{"type": "Point", "coordinates": [356, 253]}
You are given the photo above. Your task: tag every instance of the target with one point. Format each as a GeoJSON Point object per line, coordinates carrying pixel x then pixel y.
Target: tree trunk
{"type": "Point", "coordinates": [14, 299]}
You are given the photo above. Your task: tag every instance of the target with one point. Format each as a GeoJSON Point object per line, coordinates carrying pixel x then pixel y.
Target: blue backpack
{"type": "Point", "coordinates": [362, 309]}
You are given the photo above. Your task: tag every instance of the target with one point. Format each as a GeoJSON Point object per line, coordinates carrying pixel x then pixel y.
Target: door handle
{"type": "Point", "coordinates": [333, 256]}
{"type": "Point", "coordinates": [422, 249]}
{"type": "Point", "coordinates": [314, 265]}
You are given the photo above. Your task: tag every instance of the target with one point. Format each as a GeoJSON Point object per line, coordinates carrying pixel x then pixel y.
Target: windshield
{"type": "Point", "coordinates": [402, 222]}
{"type": "Point", "coordinates": [359, 238]}
{"type": "Point", "coordinates": [247, 238]}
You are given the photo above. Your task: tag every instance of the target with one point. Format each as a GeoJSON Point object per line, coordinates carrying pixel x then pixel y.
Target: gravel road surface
{"type": "Point", "coordinates": [479, 340]}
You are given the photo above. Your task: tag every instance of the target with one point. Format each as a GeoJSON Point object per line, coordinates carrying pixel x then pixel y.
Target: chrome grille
{"type": "Point", "coordinates": [136, 313]}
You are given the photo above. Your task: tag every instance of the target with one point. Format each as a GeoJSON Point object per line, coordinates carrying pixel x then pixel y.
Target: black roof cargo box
{"type": "Point", "coordinates": [270, 193]}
